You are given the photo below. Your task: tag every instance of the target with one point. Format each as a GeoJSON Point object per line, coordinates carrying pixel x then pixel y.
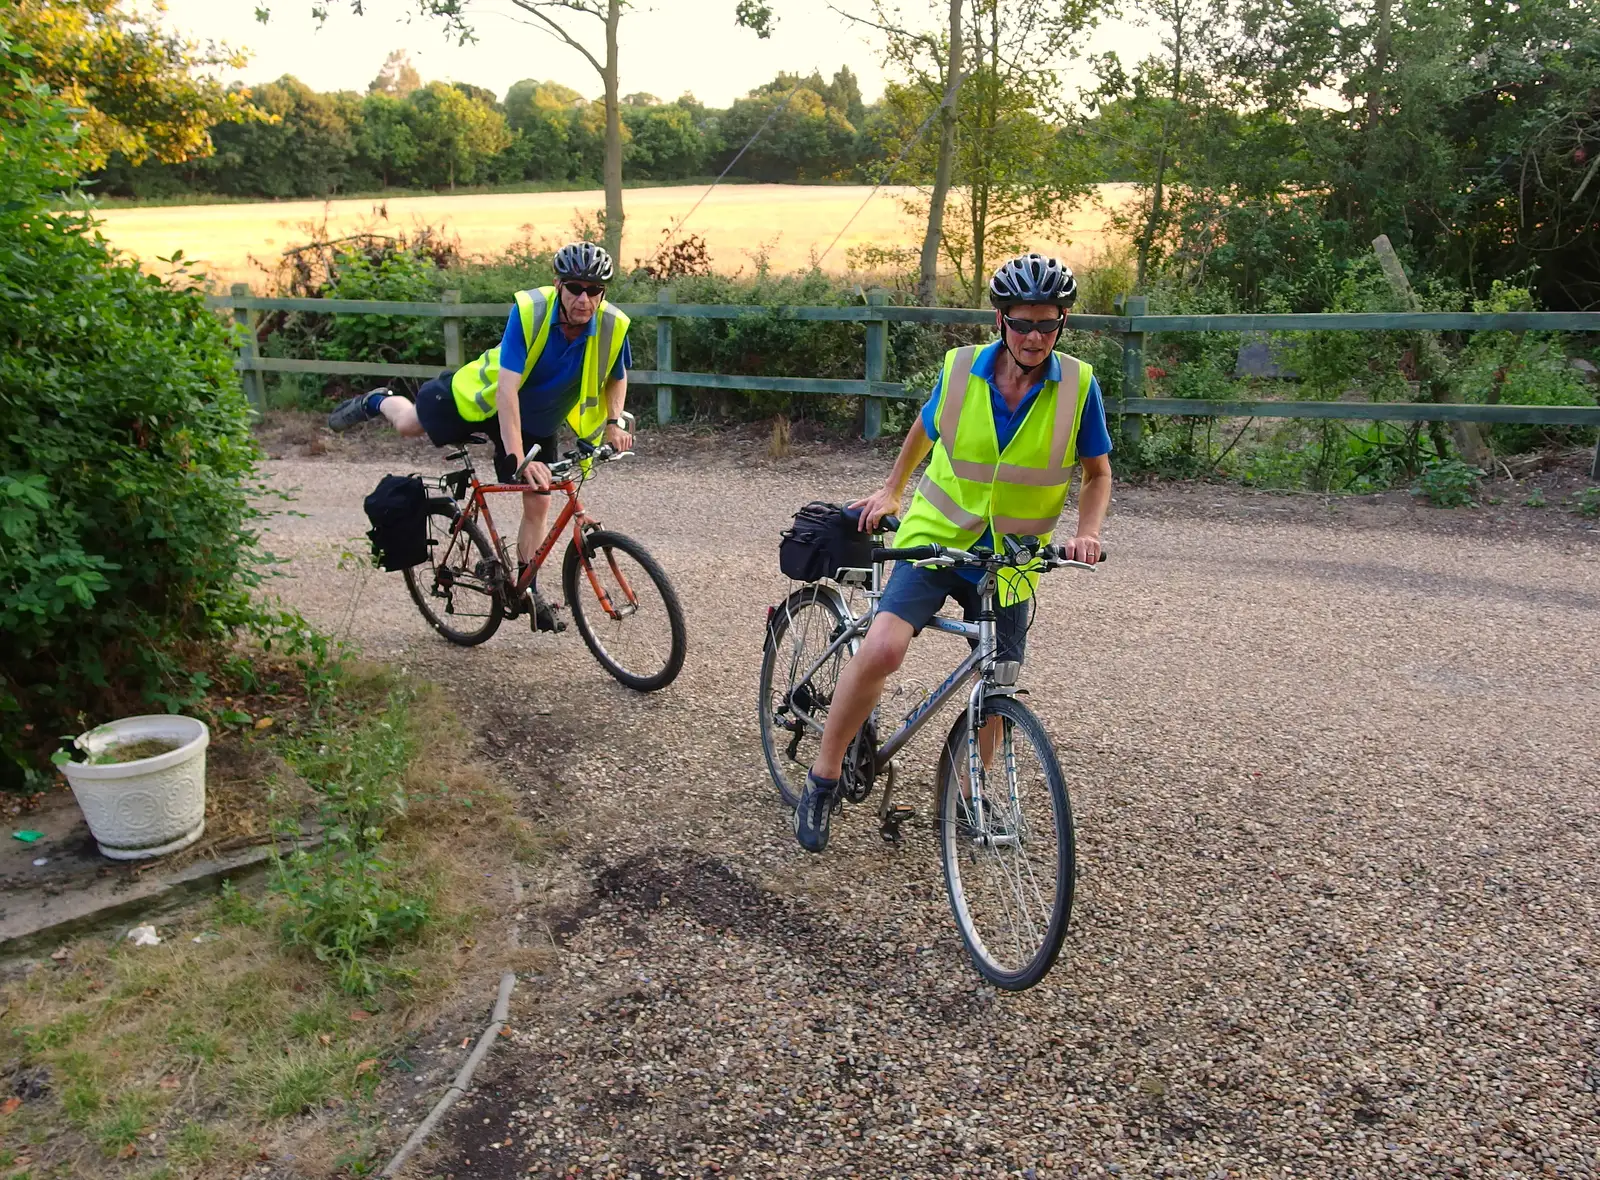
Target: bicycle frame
{"type": "Point", "coordinates": [572, 512]}
{"type": "Point", "coordinates": [980, 663]}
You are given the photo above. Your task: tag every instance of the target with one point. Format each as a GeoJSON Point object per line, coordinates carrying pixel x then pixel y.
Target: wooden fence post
{"type": "Point", "coordinates": [1594, 468]}
{"type": "Point", "coordinates": [877, 364]}
{"type": "Point", "coordinates": [452, 333]}
{"type": "Point", "coordinates": [247, 319]}
{"type": "Point", "coordinates": [664, 398]}
{"type": "Point", "coordinates": [1133, 368]}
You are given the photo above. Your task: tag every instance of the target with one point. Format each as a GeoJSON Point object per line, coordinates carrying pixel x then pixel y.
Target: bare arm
{"type": "Point", "coordinates": [887, 499]}
{"type": "Point", "coordinates": [510, 412]}
{"type": "Point", "coordinates": [1094, 498]}
{"type": "Point", "coordinates": [616, 402]}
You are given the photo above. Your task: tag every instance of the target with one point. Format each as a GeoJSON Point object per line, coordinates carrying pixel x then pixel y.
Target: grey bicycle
{"type": "Point", "coordinates": [1003, 816]}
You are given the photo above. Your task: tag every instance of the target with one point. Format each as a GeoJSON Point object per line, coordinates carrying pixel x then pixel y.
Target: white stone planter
{"type": "Point", "coordinates": [149, 807]}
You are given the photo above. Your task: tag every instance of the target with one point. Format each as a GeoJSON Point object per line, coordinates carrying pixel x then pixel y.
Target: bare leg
{"type": "Point", "coordinates": [402, 415]}
{"type": "Point", "coordinates": [860, 686]}
{"type": "Point", "coordinates": [535, 511]}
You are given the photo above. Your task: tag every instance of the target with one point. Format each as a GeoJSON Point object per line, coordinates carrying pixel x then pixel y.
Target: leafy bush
{"type": "Point", "coordinates": [1521, 368]}
{"type": "Point", "coordinates": [1450, 483]}
{"type": "Point", "coordinates": [340, 901]}
{"type": "Point", "coordinates": [127, 533]}
{"type": "Point", "coordinates": [1588, 502]}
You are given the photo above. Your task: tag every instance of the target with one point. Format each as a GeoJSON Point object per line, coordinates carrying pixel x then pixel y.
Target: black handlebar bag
{"type": "Point", "coordinates": [398, 510]}
{"type": "Point", "coordinates": [823, 540]}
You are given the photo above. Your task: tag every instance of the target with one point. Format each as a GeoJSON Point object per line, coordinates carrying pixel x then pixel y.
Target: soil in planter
{"type": "Point", "coordinates": [133, 751]}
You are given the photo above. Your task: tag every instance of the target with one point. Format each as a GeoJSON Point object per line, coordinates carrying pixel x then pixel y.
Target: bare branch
{"type": "Point", "coordinates": [534, 7]}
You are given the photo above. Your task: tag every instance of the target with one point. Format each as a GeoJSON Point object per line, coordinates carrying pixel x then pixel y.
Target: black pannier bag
{"type": "Point", "coordinates": [823, 539]}
{"type": "Point", "coordinates": [398, 510]}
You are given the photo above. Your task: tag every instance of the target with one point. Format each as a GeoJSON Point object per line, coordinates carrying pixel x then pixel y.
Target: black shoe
{"type": "Point", "coordinates": [353, 411]}
{"type": "Point", "coordinates": [815, 813]}
{"type": "Point", "coordinates": [544, 615]}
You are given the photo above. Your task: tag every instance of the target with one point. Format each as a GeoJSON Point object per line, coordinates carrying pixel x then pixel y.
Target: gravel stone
{"type": "Point", "coordinates": [1334, 781]}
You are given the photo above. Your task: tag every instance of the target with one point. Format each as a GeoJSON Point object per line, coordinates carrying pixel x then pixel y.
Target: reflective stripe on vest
{"type": "Point", "coordinates": [972, 485]}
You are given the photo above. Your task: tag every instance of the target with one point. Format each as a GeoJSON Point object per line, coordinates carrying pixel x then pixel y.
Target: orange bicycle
{"type": "Point", "coordinates": [622, 602]}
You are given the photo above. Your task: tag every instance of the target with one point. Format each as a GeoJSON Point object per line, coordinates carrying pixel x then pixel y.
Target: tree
{"type": "Point", "coordinates": [1007, 180]}
{"type": "Point", "coordinates": [551, 16]}
{"type": "Point", "coordinates": [303, 148]}
{"type": "Point", "coordinates": [455, 136]}
{"type": "Point", "coordinates": [664, 142]}
{"type": "Point", "coordinates": [806, 139]}
{"type": "Point", "coordinates": [397, 77]}
{"type": "Point", "coordinates": [136, 84]}
{"type": "Point", "coordinates": [385, 142]}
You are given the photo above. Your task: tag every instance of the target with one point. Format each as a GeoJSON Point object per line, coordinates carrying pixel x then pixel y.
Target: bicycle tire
{"type": "Point", "coordinates": [780, 766]}
{"type": "Point", "coordinates": [467, 556]}
{"type": "Point", "coordinates": [582, 600]}
{"type": "Point", "coordinates": [969, 866]}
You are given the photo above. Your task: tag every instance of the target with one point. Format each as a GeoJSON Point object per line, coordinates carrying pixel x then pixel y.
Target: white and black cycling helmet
{"type": "Point", "coordinates": [583, 262]}
{"type": "Point", "coordinates": [1033, 278]}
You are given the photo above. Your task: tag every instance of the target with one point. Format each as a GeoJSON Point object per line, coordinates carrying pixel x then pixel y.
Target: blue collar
{"type": "Point", "coordinates": [983, 365]}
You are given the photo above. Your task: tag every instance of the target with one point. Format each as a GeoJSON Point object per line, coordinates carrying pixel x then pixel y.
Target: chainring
{"type": "Point", "coordinates": [859, 770]}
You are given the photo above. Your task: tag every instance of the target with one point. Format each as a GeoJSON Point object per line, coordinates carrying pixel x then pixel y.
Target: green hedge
{"type": "Point", "coordinates": [127, 539]}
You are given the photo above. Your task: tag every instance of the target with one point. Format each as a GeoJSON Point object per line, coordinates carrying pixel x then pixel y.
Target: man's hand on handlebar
{"type": "Point", "coordinates": [617, 438]}
{"type": "Point", "coordinates": [883, 502]}
{"type": "Point", "coordinates": [534, 472]}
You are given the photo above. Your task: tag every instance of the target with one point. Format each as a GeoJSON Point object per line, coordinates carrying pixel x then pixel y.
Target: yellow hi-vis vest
{"type": "Point", "coordinates": [475, 385]}
{"type": "Point", "coordinates": [972, 485]}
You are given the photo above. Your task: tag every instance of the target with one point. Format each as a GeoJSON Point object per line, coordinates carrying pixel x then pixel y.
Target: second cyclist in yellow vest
{"type": "Point", "coordinates": [1005, 426]}
{"type": "Point", "coordinates": [564, 357]}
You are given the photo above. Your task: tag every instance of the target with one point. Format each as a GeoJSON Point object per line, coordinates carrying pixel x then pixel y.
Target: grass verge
{"type": "Point", "coordinates": [266, 1025]}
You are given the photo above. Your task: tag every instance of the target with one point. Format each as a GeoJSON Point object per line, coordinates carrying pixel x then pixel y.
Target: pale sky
{"type": "Point", "coordinates": [665, 46]}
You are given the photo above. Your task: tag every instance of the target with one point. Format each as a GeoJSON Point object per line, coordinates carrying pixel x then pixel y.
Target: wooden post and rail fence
{"type": "Point", "coordinates": [1134, 325]}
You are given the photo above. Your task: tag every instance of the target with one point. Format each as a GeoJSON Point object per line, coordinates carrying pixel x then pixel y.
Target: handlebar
{"type": "Point", "coordinates": [562, 468]}
{"type": "Point", "coordinates": [1050, 555]}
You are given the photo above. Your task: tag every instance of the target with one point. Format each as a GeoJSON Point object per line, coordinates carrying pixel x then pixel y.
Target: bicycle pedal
{"type": "Point", "coordinates": [889, 827]}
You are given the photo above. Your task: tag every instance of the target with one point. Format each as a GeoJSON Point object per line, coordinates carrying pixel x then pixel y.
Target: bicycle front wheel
{"type": "Point", "coordinates": [455, 588]}
{"type": "Point", "coordinates": [1010, 872]}
{"type": "Point", "coordinates": [626, 610]}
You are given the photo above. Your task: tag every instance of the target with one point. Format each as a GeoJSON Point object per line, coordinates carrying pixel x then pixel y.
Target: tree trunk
{"type": "Point", "coordinates": [927, 293]}
{"type": "Point", "coordinates": [1380, 64]}
{"type": "Point", "coordinates": [1433, 366]}
{"type": "Point", "coordinates": [1147, 239]}
{"type": "Point", "coordinates": [613, 227]}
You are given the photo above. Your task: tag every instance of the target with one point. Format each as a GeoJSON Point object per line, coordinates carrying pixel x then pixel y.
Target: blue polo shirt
{"type": "Point", "coordinates": [1094, 439]}
{"type": "Point", "coordinates": [551, 390]}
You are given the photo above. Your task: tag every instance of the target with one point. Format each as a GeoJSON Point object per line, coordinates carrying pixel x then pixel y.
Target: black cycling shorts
{"type": "Point", "coordinates": [436, 410]}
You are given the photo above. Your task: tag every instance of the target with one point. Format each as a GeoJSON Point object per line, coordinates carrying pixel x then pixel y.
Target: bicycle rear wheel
{"type": "Point", "coordinates": [455, 589]}
{"type": "Point", "coordinates": [626, 610]}
{"type": "Point", "coordinates": [800, 630]}
{"type": "Point", "coordinates": [1010, 887]}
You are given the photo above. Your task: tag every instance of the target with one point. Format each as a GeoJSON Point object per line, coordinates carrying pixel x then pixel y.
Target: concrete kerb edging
{"type": "Point", "coordinates": [502, 1007]}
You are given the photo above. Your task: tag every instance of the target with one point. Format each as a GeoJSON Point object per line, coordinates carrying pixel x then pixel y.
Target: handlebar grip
{"type": "Point", "coordinates": [914, 553]}
{"type": "Point", "coordinates": [889, 524]}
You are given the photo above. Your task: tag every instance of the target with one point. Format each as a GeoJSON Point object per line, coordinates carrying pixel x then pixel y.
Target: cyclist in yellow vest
{"type": "Point", "coordinates": [564, 356]}
{"type": "Point", "coordinates": [1005, 426]}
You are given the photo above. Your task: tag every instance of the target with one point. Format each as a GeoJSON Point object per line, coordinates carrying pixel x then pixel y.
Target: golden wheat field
{"type": "Point", "coordinates": [790, 224]}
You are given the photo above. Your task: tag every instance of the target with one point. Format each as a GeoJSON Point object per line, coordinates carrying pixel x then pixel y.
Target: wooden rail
{"type": "Point", "coordinates": [1134, 327]}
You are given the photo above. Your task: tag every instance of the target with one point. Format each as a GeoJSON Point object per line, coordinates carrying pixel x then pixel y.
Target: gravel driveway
{"type": "Point", "coordinates": [1338, 837]}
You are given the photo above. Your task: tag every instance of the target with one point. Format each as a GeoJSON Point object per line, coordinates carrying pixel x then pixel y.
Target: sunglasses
{"type": "Point", "coordinates": [592, 290]}
{"type": "Point", "coordinates": [1023, 326]}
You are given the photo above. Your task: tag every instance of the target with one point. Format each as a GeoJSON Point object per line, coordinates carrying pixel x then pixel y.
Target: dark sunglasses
{"type": "Point", "coordinates": [1022, 327]}
{"type": "Point", "coordinates": [590, 289]}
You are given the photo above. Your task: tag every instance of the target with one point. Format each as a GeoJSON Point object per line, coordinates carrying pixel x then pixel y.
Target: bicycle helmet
{"type": "Point", "coordinates": [1033, 278]}
{"type": "Point", "coordinates": [583, 262]}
